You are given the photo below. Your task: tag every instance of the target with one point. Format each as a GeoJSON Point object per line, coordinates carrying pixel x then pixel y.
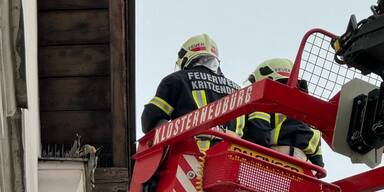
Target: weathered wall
{"type": "Point", "coordinates": [12, 94]}
{"type": "Point", "coordinates": [86, 73]}
{"type": "Point", "coordinates": [11, 150]}
{"type": "Point", "coordinates": [86, 78]}
{"type": "Point", "coordinates": [74, 72]}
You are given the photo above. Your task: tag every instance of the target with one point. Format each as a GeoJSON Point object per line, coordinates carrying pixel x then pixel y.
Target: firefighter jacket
{"type": "Point", "coordinates": [186, 90]}
{"type": "Point", "coordinates": [276, 129]}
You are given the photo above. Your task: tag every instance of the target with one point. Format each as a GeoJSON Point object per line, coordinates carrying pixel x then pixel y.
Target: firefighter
{"type": "Point", "coordinates": [197, 82]}
{"type": "Point", "coordinates": [276, 130]}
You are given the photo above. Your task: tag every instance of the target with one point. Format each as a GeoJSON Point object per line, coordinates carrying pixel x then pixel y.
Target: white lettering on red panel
{"type": "Point", "coordinates": [202, 115]}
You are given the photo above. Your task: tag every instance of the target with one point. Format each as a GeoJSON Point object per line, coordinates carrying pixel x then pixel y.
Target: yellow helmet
{"type": "Point", "coordinates": [275, 69]}
{"type": "Point", "coordinates": [195, 47]}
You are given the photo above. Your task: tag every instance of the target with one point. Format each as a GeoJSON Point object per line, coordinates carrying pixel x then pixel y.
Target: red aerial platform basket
{"type": "Point", "coordinates": [238, 165]}
{"type": "Point", "coordinates": [235, 165]}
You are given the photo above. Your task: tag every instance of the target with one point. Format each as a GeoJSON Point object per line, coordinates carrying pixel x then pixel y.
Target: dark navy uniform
{"type": "Point", "coordinates": [276, 129]}
{"type": "Point", "coordinates": [187, 90]}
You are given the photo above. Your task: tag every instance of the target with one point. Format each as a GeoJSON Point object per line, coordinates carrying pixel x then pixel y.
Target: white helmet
{"type": "Point", "coordinates": [194, 48]}
{"type": "Point", "coordinates": [275, 69]}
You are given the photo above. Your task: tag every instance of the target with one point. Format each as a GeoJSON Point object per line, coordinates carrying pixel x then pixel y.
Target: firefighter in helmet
{"type": "Point", "coordinates": [276, 130]}
{"type": "Point", "coordinates": [197, 82]}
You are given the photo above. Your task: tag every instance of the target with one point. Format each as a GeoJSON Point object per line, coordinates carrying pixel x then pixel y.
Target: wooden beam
{"type": "Point", "coordinates": [60, 127]}
{"type": "Point", "coordinates": [130, 44]}
{"type": "Point", "coordinates": [74, 93]}
{"type": "Point", "coordinates": [45, 5]}
{"type": "Point", "coordinates": [118, 82]}
{"type": "Point", "coordinates": [83, 60]}
{"type": "Point", "coordinates": [111, 179]}
{"type": "Point", "coordinates": [110, 175]}
{"type": "Point", "coordinates": [73, 27]}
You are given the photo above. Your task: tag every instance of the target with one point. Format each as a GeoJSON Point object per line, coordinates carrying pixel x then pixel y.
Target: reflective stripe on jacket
{"type": "Point", "coordinates": [184, 91]}
{"type": "Point", "coordinates": [270, 129]}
